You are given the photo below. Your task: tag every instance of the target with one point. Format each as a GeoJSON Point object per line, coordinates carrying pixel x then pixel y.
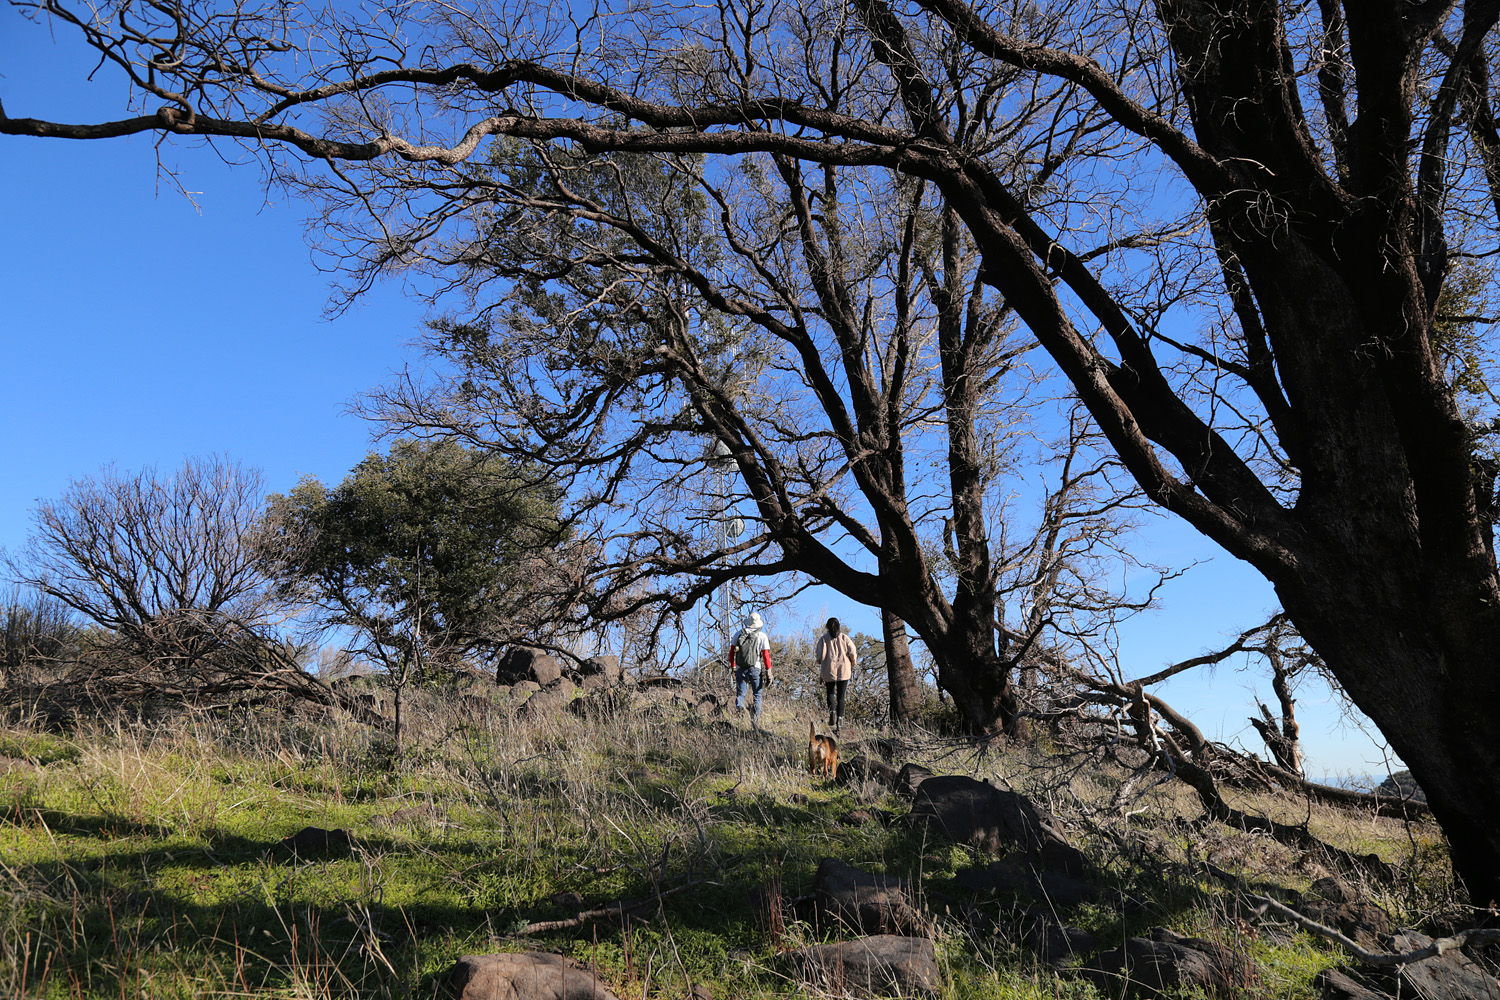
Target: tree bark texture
{"type": "Point", "coordinates": [905, 691]}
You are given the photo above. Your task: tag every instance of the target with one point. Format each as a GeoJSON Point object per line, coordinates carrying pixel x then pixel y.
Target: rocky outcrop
{"type": "Point", "coordinates": [1449, 976]}
{"type": "Point", "coordinates": [522, 663]}
{"type": "Point", "coordinates": [863, 768]}
{"type": "Point", "coordinates": [607, 667]}
{"type": "Point", "coordinates": [547, 701]}
{"type": "Point", "coordinates": [909, 777]}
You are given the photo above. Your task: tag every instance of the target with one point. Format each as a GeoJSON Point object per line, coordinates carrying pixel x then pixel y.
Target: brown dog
{"type": "Point", "coordinates": [822, 753]}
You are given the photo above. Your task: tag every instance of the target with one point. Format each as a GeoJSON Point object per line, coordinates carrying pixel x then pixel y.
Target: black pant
{"type": "Point", "coordinates": [835, 691]}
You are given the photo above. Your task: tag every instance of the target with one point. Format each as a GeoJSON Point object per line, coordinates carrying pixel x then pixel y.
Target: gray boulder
{"type": "Point", "coordinates": [607, 667]}
{"type": "Point", "coordinates": [523, 663]}
{"type": "Point", "coordinates": [882, 965]}
{"type": "Point", "coordinates": [1169, 962]}
{"type": "Point", "coordinates": [1057, 889]}
{"type": "Point", "coordinates": [547, 701]}
{"type": "Point", "coordinates": [1052, 941]}
{"type": "Point", "coordinates": [600, 705]}
{"type": "Point", "coordinates": [863, 768]}
{"type": "Point", "coordinates": [865, 902]}
{"type": "Point", "coordinates": [1336, 904]}
{"type": "Point", "coordinates": [909, 777]}
{"type": "Point", "coordinates": [1449, 976]}
{"type": "Point", "coordinates": [531, 975]}
{"type": "Point", "coordinates": [992, 819]}
{"type": "Point", "coordinates": [1336, 985]}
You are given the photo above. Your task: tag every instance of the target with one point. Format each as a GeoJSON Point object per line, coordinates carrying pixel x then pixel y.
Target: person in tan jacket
{"type": "Point", "coordinates": [836, 656]}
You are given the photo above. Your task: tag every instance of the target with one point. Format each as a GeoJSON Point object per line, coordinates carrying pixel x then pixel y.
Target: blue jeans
{"type": "Point", "coordinates": [754, 678]}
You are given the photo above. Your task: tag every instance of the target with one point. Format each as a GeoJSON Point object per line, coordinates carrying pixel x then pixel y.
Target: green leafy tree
{"type": "Point", "coordinates": [425, 554]}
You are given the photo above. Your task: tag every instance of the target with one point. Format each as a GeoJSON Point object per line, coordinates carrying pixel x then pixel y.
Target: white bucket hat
{"type": "Point", "coordinates": [753, 621]}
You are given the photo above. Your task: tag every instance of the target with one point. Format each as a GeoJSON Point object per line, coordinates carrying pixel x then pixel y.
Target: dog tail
{"type": "Point", "coordinates": [812, 730]}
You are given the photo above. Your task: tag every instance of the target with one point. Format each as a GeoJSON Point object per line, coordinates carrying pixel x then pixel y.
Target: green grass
{"type": "Point", "coordinates": [145, 862]}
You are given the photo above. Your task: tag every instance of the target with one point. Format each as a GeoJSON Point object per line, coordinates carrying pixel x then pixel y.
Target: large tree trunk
{"type": "Point", "coordinates": [906, 693]}
{"type": "Point", "coordinates": [1434, 696]}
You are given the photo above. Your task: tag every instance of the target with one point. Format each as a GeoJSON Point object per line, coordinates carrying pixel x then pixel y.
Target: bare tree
{"type": "Point", "coordinates": [1308, 418]}
{"type": "Point", "coordinates": [830, 336]}
{"type": "Point", "coordinates": [35, 631]}
{"type": "Point", "coordinates": [173, 572]}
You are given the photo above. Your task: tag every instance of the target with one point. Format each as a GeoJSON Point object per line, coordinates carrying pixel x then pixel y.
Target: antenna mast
{"type": "Point", "coordinates": [724, 527]}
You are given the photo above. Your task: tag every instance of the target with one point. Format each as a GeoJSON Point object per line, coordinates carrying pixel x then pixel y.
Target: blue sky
{"type": "Point", "coordinates": [138, 328]}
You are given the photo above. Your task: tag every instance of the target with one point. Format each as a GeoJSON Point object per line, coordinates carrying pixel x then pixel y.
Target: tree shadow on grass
{"type": "Point", "coordinates": [239, 914]}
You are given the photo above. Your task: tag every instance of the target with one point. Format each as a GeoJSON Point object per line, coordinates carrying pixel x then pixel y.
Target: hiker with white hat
{"type": "Point", "coordinates": [750, 659]}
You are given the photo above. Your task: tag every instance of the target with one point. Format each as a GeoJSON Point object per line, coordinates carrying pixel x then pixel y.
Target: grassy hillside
{"type": "Point", "coordinates": [145, 860]}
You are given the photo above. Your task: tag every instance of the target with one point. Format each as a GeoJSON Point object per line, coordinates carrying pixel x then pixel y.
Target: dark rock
{"type": "Point", "coordinates": [526, 664]}
{"type": "Point", "coordinates": [862, 768]}
{"type": "Point", "coordinates": [1335, 985]}
{"type": "Point", "coordinates": [882, 965]}
{"type": "Point", "coordinates": [1167, 961]}
{"type": "Point", "coordinates": [600, 705]}
{"type": "Point", "coordinates": [1057, 889]}
{"type": "Point", "coordinates": [857, 817]}
{"type": "Point", "coordinates": [979, 814]}
{"type": "Point", "coordinates": [1052, 941]}
{"type": "Point", "coordinates": [870, 904]}
{"type": "Point", "coordinates": [607, 667]}
{"type": "Point", "coordinates": [569, 901]}
{"type": "Point", "coordinates": [311, 841]}
{"type": "Point", "coordinates": [1403, 786]}
{"type": "Point", "coordinates": [1336, 904]}
{"type": "Point", "coordinates": [909, 777]}
{"type": "Point", "coordinates": [661, 681]}
{"type": "Point", "coordinates": [1449, 976]}
{"type": "Point", "coordinates": [531, 975]}
{"type": "Point", "coordinates": [548, 701]}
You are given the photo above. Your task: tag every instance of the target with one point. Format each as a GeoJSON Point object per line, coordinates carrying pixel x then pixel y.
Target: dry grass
{"type": "Point", "coordinates": [142, 860]}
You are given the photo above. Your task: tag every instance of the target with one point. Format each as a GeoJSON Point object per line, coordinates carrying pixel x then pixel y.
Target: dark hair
{"type": "Point", "coordinates": [833, 625]}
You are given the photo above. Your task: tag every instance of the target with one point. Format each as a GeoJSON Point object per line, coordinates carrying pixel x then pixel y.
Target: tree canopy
{"type": "Point", "coordinates": [429, 543]}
